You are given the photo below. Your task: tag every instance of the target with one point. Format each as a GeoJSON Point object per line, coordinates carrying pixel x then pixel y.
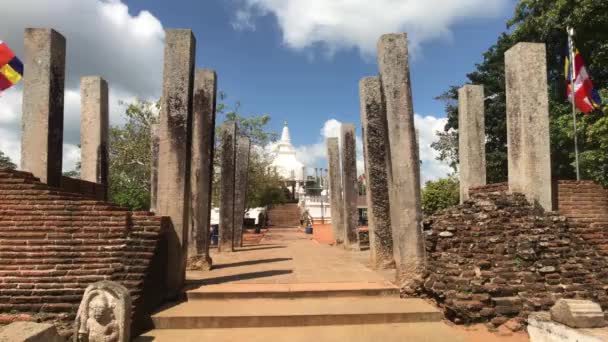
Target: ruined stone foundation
{"type": "Point", "coordinates": [497, 256]}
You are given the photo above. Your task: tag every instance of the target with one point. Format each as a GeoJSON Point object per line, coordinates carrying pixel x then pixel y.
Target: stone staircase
{"type": "Point", "coordinates": [299, 312]}
{"type": "Point", "coordinates": [285, 215]}
{"type": "Point", "coordinates": [585, 203]}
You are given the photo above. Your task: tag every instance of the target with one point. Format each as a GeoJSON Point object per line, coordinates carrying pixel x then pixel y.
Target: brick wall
{"type": "Point", "coordinates": [497, 256]}
{"type": "Point", "coordinates": [586, 206]}
{"type": "Point", "coordinates": [53, 244]}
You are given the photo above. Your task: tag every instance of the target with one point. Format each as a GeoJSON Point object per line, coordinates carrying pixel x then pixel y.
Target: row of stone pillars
{"type": "Point", "coordinates": [390, 150]}
{"type": "Point", "coordinates": [182, 143]}
{"type": "Point", "coordinates": [184, 171]}
{"type": "Point", "coordinates": [529, 157]}
{"type": "Point", "coordinates": [391, 168]}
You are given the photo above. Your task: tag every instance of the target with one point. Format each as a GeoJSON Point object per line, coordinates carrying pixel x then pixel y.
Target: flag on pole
{"type": "Point", "coordinates": [11, 68]}
{"type": "Point", "coordinates": [586, 98]}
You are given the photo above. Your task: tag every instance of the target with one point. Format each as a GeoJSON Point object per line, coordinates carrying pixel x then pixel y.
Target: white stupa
{"type": "Point", "coordinates": [285, 161]}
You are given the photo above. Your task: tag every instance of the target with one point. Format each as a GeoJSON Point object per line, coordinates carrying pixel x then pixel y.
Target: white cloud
{"type": "Point", "coordinates": [102, 38]}
{"type": "Point", "coordinates": [344, 24]}
{"type": "Point", "coordinates": [315, 155]}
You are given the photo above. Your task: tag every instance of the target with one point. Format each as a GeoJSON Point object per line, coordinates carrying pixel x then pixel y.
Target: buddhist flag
{"type": "Point", "coordinates": [586, 97]}
{"type": "Point", "coordinates": [11, 68]}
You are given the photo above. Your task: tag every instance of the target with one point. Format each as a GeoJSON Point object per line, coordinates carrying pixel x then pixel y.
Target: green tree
{"type": "Point", "coordinates": [541, 21]}
{"type": "Point", "coordinates": [264, 183]}
{"type": "Point", "coordinates": [6, 162]}
{"type": "Point", "coordinates": [130, 156]}
{"type": "Point", "coordinates": [440, 194]}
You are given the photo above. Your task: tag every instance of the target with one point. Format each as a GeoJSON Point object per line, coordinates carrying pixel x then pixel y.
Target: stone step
{"type": "Point", "coordinates": [396, 332]}
{"type": "Point", "coordinates": [304, 290]}
{"type": "Point", "coordinates": [250, 313]}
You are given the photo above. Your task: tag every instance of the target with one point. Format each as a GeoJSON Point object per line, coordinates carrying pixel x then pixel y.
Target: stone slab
{"type": "Point", "coordinates": [399, 332]}
{"type": "Point", "coordinates": [241, 313]}
{"type": "Point", "coordinates": [29, 332]}
{"type": "Point", "coordinates": [577, 313]}
{"type": "Point", "coordinates": [542, 329]}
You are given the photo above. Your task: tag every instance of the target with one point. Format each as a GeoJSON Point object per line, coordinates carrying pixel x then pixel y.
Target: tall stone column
{"type": "Point", "coordinates": [175, 134]}
{"type": "Point", "coordinates": [43, 89]}
{"type": "Point", "coordinates": [335, 189]}
{"type": "Point", "coordinates": [349, 185]}
{"type": "Point", "coordinates": [201, 176]}
{"type": "Point", "coordinates": [228, 176]}
{"type": "Point", "coordinates": [243, 148]}
{"type": "Point", "coordinates": [94, 121]}
{"type": "Point", "coordinates": [528, 122]}
{"type": "Point", "coordinates": [403, 163]}
{"type": "Point", "coordinates": [471, 139]}
{"type": "Point", "coordinates": [373, 122]}
{"type": "Point", "coordinates": [154, 167]}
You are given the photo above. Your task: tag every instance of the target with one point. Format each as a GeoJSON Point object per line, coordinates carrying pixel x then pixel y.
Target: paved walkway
{"type": "Point", "coordinates": [287, 287]}
{"type": "Point", "coordinates": [286, 256]}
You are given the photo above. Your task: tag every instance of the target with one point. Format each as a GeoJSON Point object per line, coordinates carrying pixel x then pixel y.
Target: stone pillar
{"type": "Point", "coordinates": [201, 176]}
{"type": "Point", "coordinates": [373, 123]}
{"type": "Point", "coordinates": [175, 134]}
{"type": "Point", "coordinates": [403, 163]}
{"type": "Point", "coordinates": [335, 189]}
{"type": "Point", "coordinates": [471, 139]}
{"type": "Point", "coordinates": [243, 148]}
{"type": "Point", "coordinates": [349, 185]}
{"type": "Point", "coordinates": [529, 152]}
{"type": "Point", "coordinates": [154, 167]}
{"type": "Point", "coordinates": [228, 176]}
{"type": "Point", "coordinates": [94, 119]}
{"type": "Point", "coordinates": [43, 89]}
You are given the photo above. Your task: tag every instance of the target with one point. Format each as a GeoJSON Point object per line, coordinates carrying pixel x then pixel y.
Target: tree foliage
{"type": "Point", "coordinates": [440, 194]}
{"type": "Point", "coordinates": [265, 185]}
{"type": "Point", "coordinates": [6, 162]}
{"type": "Point", "coordinates": [131, 157]}
{"type": "Point", "coordinates": [542, 21]}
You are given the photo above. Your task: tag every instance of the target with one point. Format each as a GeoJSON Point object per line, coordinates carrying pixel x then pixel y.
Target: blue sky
{"type": "Point", "coordinates": [297, 60]}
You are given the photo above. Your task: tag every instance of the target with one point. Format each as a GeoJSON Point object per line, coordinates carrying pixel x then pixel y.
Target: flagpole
{"type": "Point", "coordinates": [572, 94]}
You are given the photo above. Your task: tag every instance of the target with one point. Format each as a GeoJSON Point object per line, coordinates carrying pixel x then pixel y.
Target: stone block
{"type": "Point", "coordinates": [471, 139]}
{"type": "Point", "coordinates": [43, 96]}
{"type": "Point", "coordinates": [577, 313]}
{"type": "Point", "coordinates": [335, 189]}
{"type": "Point", "coordinates": [374, 130]}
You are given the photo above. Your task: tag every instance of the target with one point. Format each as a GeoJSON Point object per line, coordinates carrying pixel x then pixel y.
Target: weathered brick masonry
{"type": "Point", "coordinates": [53, 244]}
{"type": "Point", "coordinates": [497, 256]}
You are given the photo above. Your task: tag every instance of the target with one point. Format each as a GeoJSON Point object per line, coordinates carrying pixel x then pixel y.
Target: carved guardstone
{"type": "Point", "coordinates": [104, 314]}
